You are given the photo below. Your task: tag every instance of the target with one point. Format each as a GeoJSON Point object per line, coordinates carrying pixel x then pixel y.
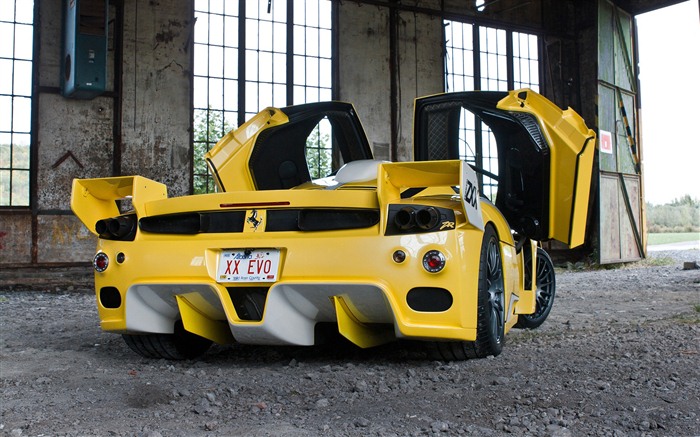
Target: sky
{"type": "Point", "coordinates": [669, 69]}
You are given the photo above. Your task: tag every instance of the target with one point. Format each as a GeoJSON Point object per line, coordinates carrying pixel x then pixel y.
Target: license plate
{"type": "Point", "coordinates": [248, 265]}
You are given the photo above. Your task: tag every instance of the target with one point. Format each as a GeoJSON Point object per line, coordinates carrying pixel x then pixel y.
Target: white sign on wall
{"type": "Point", "coordinates": [606, 145]}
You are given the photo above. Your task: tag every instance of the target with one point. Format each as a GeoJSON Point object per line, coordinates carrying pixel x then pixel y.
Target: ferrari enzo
{"type": "Point", "coordinates": [307, 232]}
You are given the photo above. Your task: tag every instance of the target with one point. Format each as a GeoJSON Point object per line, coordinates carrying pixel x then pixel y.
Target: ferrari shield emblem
{"type": "Point", "coordinates": [254, 219]}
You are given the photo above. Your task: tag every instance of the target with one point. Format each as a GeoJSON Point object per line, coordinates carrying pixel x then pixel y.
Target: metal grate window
{"type": "Point", "coordinates": [17, 35]}
{"type": "Point", "coordinates": [488, 59]}
{"type": "Point", "coordinates": [312, 51]}
{"type": "Point", "coordinates": [459, 62]}
{"type": "Point", "coordinates": [459, 76]}
{"type": "Point", "coordinates": [494, 77]}
{"type": "Point", "coordinates": [494, 59]}
{"type": "Point", "coordinates": [526, 73]}
{"type": "Point", "coordinates": [265, 74]}
{"type": "Point", "coordinates": [250, 55]}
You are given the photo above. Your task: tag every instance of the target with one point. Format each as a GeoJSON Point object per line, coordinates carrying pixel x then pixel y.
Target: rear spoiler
{"type": "Point", "coordinates": [95, 199]}
{"type": "Point", "coordinates": [394, 177]}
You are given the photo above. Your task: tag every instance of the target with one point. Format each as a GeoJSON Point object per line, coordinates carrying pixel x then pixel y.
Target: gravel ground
{"type": "Point", "coordinates": [617, 357]}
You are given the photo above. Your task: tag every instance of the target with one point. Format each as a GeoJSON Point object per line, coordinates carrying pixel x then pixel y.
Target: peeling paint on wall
{"type": "Point", "coordinates": [156, 89]}
{"type": "Point", "coordinates": [64, 239]}
{"type": "Point", "coordinates": [75, 141]}
{"type": "Point", "coordinates": [367, 84]}
{"type": "Point", "coordinates": [16, 239]}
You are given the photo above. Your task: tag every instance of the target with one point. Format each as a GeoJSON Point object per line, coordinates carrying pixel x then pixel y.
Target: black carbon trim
{"type": "Point", "coordinates": [278, 220]}
{"type": "Point", "coordinates": [194, 223]}
{"type": "Point", "coordinates": [529, 122]}
{"type": "Point", "coordinates": [326, 219]}
{"type": "Point", "coordinates": [418, 219]}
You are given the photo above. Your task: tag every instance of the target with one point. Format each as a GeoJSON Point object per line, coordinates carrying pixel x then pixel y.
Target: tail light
{"type": "Point", "coordinates": [433, 261]}
{"type": "Point", "coordinates": [100, 262]}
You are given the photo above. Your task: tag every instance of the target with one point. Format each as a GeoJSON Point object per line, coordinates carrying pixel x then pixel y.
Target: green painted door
{"type": "Point", "coordinates": [620, 190]}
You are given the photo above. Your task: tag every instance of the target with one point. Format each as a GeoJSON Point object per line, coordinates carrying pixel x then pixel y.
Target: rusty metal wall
{"type": "Point", "coordinates": [420, 72]}
{"type": "Point", "coordinates": [404, 62]}
{"type": "Point", "coordinates": [15, 239]}
{"type": "Point", "coordinates": [156, 92]}
{"type": "Point", "coordinates": [364, 74]}
{"type": "Point", "coordinates": [141, 125]}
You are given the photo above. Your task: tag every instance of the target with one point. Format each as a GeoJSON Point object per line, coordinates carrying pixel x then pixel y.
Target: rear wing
{"type": "Point", "coordinates": [394, 177]}
{"type": "Point", "coordinates": [95, 199]}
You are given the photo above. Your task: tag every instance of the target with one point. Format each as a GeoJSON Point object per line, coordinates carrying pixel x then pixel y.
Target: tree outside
{"type": "Point", "coordinates": [209, 127]}
{"type": "Point", "coordinates": [318, 151]}
{"type": "Point", "coordinates": [681, 215]}
{"type": "Point", "coordinates": [14, 174]}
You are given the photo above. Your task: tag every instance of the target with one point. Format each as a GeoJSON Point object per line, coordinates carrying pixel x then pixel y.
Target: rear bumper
{"type": "Point", "coordinates": [348, 280]}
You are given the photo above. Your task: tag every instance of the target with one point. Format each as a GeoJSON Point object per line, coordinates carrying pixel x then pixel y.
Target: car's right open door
{"type": "Point", "coordinates": [545, 156]}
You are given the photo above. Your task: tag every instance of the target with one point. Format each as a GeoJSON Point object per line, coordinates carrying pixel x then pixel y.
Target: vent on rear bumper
{"type": "Point", "coordinates": [278, 220]}
{"type": "Point", "coordinates": [249, 302]}
{"type": "Point", "coordinates": [110, 297]}
{"type": "Point", "coordinates": [429, 299]}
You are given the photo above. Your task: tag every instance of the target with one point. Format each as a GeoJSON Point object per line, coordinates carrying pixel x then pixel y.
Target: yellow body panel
{"type": "Point", "coordinates": [234, 149]}
{"type": "Point", "coordinates": [358, 275]}
{"type": "Point", "coordinates": [526, 304]}
{"type": "Point", "coordinates": [190, 263]}
{"type": "Point", "coordinates": [356, 331]}
{"type": "Point", "coordinates": [94, 199]}
{"type": "Point", "coordinates": [197, 321]}
{"type": "Point", "coordinates": [571, 162]}
{"type": "Point", "coordinates": [186, 261]}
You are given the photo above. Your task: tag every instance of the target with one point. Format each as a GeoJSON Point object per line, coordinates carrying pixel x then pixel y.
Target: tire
{"type": "Point", "coordinates": [546, 290]}
{"type": "Point", "coordinates": [181, 345]}
{"type": "Point", "coordinates": [490, 308]}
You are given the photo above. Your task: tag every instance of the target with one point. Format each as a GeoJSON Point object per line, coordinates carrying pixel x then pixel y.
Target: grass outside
{"type": "Point", "coordinates": [672, 237]}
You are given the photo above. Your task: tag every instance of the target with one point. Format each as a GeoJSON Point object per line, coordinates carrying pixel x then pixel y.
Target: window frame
{"type": "Point", "coordinates": [294, 19]}
{"type": "Point", "coordinates": [8, 164]}
{"type": "Point", "coordinates": [488, 46]}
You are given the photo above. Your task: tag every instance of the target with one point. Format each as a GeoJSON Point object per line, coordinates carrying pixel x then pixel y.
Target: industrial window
{"type": "Point", "coordinates": [526, 69]}
{"type": "Point", "coordinates": [16, 34]}
{"type": "Point", "coordinates": [249, 55]}
{"type": "Point", "coordinates": [487, 59]}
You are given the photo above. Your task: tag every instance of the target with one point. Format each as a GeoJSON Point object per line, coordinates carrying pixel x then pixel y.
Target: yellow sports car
{"type": "Point", "coordinates": [307, 232]}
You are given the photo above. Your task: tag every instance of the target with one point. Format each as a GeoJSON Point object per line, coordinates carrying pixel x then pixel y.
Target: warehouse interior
{"type": "Point", "coordinates": [126, 87]}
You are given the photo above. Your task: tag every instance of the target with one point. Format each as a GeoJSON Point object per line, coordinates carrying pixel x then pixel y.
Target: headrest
{"type": "Point", "coordinates": [362, 170]}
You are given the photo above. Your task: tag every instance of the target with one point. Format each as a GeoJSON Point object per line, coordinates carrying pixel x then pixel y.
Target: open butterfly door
{"type": "Point", "coordinates": [545, 156]}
